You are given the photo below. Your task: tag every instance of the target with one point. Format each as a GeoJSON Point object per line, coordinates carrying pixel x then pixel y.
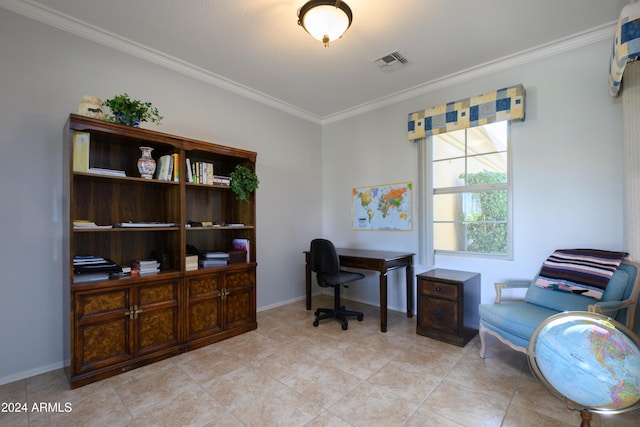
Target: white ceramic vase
{"type": "Point", "coordinates": [146, 164]}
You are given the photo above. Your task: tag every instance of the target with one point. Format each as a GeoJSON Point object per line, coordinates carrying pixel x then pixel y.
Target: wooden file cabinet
{"type": "Point", "coordinates": [448, 305]}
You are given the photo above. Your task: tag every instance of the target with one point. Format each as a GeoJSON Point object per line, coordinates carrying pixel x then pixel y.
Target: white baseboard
{"type": "Point", "coordinates": [280, 303]}
{"type": "Point", "coordinates": [31, 372]}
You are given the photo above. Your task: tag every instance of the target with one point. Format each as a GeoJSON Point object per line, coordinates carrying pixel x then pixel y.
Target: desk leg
{"type": "Point", "coordinates": [409, 273]}
{"type": "Point", "coordinates": [308, 284]}
{"type": "Point", "coordinates": [383, 302]}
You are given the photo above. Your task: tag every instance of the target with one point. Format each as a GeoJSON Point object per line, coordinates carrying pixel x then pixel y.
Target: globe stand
{"type": "Point", "coordinates": [586, 418]}
{"type": "Point", "coordinates": [588, 360]}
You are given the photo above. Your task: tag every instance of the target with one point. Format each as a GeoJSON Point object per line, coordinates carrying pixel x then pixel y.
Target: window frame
{"type": "Point", "coordinates": [426, 203]}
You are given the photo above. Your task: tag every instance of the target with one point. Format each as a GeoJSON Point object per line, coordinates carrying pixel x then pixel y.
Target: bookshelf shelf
{"type": "Point", "coordinates": [218, 186]}
{"type": "Point", "coordinates": [127, 280]}
{"type": "Point", "coordinates": [220, 227]}
{"type": "Point", "coordinates": [128, 179]}
{"type": "Point", "coordinates": [122, 323]}
{"type": "Point", "coordinates": [123, 229]}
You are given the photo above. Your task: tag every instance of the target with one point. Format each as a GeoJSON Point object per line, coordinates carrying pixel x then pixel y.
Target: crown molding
{"type": "Point", "coordinates": [39, 12]}
{"type": "Point", "coordinates": [594, 35]}
{"type": "Point", "coordinates": [72, 25]}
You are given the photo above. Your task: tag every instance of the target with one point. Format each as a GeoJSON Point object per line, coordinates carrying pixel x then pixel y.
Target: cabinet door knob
{"type": "Point", "coordinates": [133, 312]}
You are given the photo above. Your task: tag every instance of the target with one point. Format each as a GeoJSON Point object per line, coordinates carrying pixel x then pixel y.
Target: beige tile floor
{"type": "Point", "coordinates": [288, 373]}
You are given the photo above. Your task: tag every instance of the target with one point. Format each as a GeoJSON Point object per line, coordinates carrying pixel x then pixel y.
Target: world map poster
{"type": "Point", "coordinates": [384, 207]}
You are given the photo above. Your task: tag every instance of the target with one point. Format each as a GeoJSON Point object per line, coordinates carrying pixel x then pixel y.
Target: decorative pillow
{"type": "Point", "coordinates": [580, 271]}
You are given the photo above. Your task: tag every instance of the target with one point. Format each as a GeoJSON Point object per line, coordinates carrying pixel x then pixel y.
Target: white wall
{"type": "Point", "coordinates": [44, 73]}
{"type": "Point", "coordinates": [567, 164]}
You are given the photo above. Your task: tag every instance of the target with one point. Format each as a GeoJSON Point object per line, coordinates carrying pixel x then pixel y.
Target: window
{"type": "Point", "coordinates": [471, 191]}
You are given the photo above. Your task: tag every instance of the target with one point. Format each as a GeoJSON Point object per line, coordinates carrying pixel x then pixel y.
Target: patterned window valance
{"type": "Point", "coordinates": [626, 45]}
{"type": "Point", "coordinates": [503, 104]}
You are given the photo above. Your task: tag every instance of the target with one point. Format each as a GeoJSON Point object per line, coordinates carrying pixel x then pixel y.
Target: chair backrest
{"type": "Point", "coordinates": [632, 292]}
{"type": "Point", "coordinates": [624, 285]}
{"type": "Point", "coordinates": [324, 258]}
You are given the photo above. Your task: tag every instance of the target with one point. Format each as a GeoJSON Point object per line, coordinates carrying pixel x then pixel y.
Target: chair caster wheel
{"type": "Point", "coordinates": [315, 323]}
{"type": "Point", "coordinates": [360, 317]}
{"type": "Point", "coordinates": [345, 326]}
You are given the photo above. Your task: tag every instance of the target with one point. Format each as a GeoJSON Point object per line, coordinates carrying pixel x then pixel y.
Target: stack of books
{"type": "Point", "coordinates": [213, 259]}
{"type": "Point", "coordinates": [146, 266]}
{"type": "Point", "coordinates": [191, 262]}
{"type": "Point", "coordinates": [92, 268]}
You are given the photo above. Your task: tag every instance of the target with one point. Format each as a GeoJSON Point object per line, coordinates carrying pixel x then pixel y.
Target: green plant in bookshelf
{"type": "Point", "coordinates": [131, 112]}
{"type": "Point", "coordinates": [243, 182]}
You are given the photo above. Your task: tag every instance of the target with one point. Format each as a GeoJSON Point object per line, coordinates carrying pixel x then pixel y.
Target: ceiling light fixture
{"type": "Point", "coordinates": [325, 20]}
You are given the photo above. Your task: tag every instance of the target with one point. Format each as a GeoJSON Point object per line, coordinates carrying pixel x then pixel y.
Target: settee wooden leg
{"type": "Point", "coordinates": [483, 341]}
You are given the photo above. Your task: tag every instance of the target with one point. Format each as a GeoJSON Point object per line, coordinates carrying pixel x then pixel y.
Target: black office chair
{"type": "Point", "coordinates": [326, 265]}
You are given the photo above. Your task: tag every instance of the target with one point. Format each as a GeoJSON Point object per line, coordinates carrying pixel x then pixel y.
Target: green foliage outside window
{"type": "Point", "coordinates": [486, 226]}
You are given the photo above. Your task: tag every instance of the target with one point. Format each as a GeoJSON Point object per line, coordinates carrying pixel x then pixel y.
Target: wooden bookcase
{"type": "Point", "coordinates": [122, 323]}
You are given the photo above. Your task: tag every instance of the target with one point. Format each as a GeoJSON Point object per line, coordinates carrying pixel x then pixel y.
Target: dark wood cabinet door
{"type": "Point", "coordinates": [203, 306]}
{"type": "Point", "coordinates": [240, 304]}
{"type": "Point", "coordinates": [157, 312]}
{"type": "Point", "coordinates": [102, 332]}
{"type": "Point", "coordinates": [440, 315]}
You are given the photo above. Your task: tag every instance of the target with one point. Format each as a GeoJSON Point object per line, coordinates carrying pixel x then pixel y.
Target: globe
{"type": "Point", "coordinates": [589, 360]}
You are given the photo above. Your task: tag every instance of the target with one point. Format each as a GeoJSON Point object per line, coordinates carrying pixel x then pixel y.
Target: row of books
{"type": "Point", "coordinates": [203, 173]}
{"type": "Point", "coordinates": [167, 166]}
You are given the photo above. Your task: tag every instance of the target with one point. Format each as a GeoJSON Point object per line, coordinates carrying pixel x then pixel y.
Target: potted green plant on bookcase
{"type": "Point", "coordinates": [243, 182]}
{"type": "Point", "coordinates": [131, 112]}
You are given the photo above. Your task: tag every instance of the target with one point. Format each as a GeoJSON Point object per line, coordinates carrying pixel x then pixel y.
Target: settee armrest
{"type": "Point", "coordinates": [607, 306]}
{"type": "Point", "coordinates": [509, 284]}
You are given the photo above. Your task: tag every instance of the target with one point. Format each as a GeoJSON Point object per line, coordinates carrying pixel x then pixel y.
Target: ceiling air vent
{"type": "Point", "coordinates": [391, 61]}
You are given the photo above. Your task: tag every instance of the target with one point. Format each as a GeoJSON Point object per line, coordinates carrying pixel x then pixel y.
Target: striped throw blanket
{"type": "Point", "coordinates": [580, 271]}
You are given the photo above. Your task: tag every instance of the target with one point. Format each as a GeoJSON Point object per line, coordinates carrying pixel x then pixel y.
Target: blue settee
{"type": "Point", "coordinates": [513, 322]}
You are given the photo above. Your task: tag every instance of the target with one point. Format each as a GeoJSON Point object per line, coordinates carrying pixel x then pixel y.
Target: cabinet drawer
{"type": "Point", "coordinates": [439, 290]}
{"type": "Point", "coordinates": [353, 262]}
{"type": "Point", "coordinates": [440, 315]}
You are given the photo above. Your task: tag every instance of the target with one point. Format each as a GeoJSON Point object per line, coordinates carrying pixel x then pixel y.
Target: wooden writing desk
{"type": "Point", "coordinates": [380, 261]}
